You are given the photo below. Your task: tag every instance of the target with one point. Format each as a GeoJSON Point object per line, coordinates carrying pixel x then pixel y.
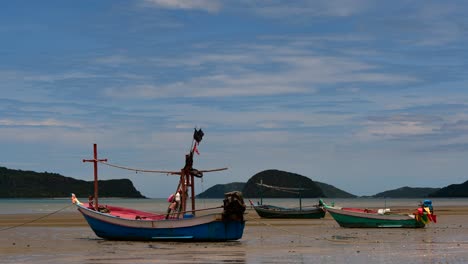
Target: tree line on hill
{"type": "Point", "coordinates": [309, 188]}
{"type": "Point", "coordinates": [30, 184]}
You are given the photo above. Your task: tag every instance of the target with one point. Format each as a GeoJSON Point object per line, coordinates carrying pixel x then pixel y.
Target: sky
{"type": "Point", "coordinates": [365, 95]}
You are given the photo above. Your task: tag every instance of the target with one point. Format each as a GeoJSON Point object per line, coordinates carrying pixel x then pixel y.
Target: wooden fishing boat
{"type": "Point", "coordinates": [222, 223]}
{"type": "Point", "coordinates": [272, 211]}
{"type": "Point", "coordinates": [370, 218]}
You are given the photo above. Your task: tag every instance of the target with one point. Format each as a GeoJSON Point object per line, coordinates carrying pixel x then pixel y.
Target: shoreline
{"type": "Point", "coordinates": [75, 219]}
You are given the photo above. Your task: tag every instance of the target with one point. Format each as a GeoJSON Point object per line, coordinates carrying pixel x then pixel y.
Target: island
{"type": "Point", "coordinates": [30, 184]}
{"type": "Point", "coordinates": [313, 189]}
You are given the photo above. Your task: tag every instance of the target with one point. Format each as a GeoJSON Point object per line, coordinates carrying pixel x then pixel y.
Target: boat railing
{"type": "Point", "coordinates": [177, 214]}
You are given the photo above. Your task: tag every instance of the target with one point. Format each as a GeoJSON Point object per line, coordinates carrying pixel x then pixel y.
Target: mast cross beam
{"type": "Point", "coordinates": [95, 161]}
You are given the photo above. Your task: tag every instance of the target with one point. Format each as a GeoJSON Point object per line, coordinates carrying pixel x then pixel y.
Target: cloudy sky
{"type": "Point", "coordinates": [364, 95]}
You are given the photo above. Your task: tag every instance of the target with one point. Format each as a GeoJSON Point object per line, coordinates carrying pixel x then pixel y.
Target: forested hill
{"type": "Point", "coordinates": [30, 184]}
{"type": "Point", "coordinates": [281, 179]}
{"type": "Point", "coordinates": [407, 192]}
{"type": "Point", "coordinates": [453, 190]}
{"type": "Point", "coordinates": [277, 178]}
{"type": "Point", "coordinates": [319, 189]}
{"type": "Point", "coordinates": [219, 190]}
{"type": "Point", "coordinates": [331, 191]}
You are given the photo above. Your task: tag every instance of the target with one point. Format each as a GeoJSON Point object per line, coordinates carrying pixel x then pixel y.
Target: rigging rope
{"type": "Point", "coordinates": [138, 170]}
{"type": "Point", "coordinates": [37, 219]}
{"type": "Point", "coordinates": [153, 171]}
{"type": "Point", "coordinates": [282, 188]}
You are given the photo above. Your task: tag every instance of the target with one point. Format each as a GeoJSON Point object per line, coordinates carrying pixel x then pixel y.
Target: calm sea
{"type": "Point", "coordinates": [44, 206]}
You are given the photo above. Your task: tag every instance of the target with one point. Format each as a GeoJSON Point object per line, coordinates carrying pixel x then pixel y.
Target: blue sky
{"type": "Point", "coordinates": [364, 95]}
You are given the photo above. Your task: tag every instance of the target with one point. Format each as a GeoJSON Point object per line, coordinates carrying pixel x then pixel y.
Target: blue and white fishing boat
{"type": "Point", "coordinates": [222, 223]}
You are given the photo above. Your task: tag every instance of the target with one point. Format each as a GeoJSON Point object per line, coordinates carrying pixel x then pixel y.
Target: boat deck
{"type": "Point", "coordinates": [127, 213]}
{"type": "Point", "coordinates": [359, 210]}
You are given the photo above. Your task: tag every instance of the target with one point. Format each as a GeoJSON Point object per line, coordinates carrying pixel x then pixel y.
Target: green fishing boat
{"type": "Point", "coordinates": [301, 212]}
{"type": "Point", "coordinates": [370, 218]}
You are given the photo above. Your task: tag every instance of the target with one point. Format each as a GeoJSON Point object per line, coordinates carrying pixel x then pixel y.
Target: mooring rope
{"type": "Point", "coordinates": [37, 219]}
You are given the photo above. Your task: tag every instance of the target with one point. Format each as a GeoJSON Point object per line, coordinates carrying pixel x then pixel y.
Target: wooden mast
{"type": "Point", "coordinates": [183, 179]}
{"type": "Point", "coordinates": [95, 161]}
{"type": "Point", "coordinates": [187, 180]}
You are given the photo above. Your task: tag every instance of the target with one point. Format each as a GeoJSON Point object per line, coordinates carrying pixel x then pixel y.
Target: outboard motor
{"type": "Point", "coordinates": [234, 206]}
{"type": "Point", "coordinates": [428, 203]}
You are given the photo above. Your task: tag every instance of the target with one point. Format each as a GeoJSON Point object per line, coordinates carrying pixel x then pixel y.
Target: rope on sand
{"type": "Point", "coordinates": [37, 219]}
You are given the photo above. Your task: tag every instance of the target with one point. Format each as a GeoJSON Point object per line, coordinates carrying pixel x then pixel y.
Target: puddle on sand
{"type": "Point", "coordinates": [343, 238]}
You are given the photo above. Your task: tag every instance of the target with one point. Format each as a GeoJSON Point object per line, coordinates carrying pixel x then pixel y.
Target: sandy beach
{"type": "Point", "coordinates": [66, 238]}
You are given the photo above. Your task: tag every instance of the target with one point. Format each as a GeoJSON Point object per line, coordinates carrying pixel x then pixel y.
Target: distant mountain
{"type": "Point", "coordinates": [319, 189]}
{"type": "Point", "coordinates": [331, 191]}
{"type": "Point", "coordinates": [219, 190]}
{"type": "Point", "coordinates": [454, 190]}
{"type": "Point", "coordinates": [282, 179]}
{"type": "Point", "coordinates": [407, 192]}
{"type": "Point", "coordinates": [30, 184]}
{"type": "Point", "coordinates": [288, 179]}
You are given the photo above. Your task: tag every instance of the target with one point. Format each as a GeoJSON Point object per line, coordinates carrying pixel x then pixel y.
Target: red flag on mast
{"type": "Point", "coordinates": [195, 149]}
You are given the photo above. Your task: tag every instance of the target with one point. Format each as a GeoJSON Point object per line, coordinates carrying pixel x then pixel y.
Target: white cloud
{"type": "Point", "coordinates": [39, 123]}
{"type": "Point", "coordinates": [203, 59]}
{"type": "Point", "coordinates": [282, 69]}
{"type": "Point", "coordinates": [114, 60]}
{"type": "Point", "coordinates": [440, 23]}
{"type": "Point", "coordinates": [60, 76]}
{"type": "Point", "coordinates": [50, 135]}
{"type": "Point", "coordinates": [404, 128]}
{"type": "Point", "coordinates": [304, 8]}
{"type": "Point", "coordinates": [399, 126]}
{"type": "Point", "coordinates": [210, 86]}
{"type": "Point", "coordinates": [204, 5]}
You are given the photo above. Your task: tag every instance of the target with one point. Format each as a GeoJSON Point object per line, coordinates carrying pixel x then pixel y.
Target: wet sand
{"type": "Point", "coordinates": [66, 238]}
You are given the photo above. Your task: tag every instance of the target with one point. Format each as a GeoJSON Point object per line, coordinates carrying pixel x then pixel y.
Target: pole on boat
{"type": "Point", "coordinates": [95, 161]}
{"type": "Point", "coordinates": [193, 193]}
{"type": "Point", "coordinates": [261, 192]}
{"type": "Point", "coordinates": [187, 179]}
{"type": "Point", "coordinates": [183, 190]}
{"type": "Point", "coordinates": [300, 201]}
{"type": "Point", "coordinates": [300, 197]}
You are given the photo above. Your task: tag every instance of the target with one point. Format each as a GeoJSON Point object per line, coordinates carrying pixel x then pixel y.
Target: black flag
{"type": "Point", "coordinates": [198, 135]}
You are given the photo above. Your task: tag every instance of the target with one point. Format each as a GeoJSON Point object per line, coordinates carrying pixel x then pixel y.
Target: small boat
{"type": "Point", "coordinates": [222, 223]}
{"type": "Point", "coordinates": [272, 211]}
{"type": "Point", "coordinates": [369, 218]}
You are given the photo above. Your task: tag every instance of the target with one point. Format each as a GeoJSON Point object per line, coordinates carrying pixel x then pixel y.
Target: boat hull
{"type": "Point", "coordinates": [203, 228]}
{"type": "Point", "coordinates": [267, 211]}
{"type": "Point", "coordinates": [367, 220]}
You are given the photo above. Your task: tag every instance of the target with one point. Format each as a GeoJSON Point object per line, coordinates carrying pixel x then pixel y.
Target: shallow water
{"type": "Point", "coordinates": [27, 206]}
